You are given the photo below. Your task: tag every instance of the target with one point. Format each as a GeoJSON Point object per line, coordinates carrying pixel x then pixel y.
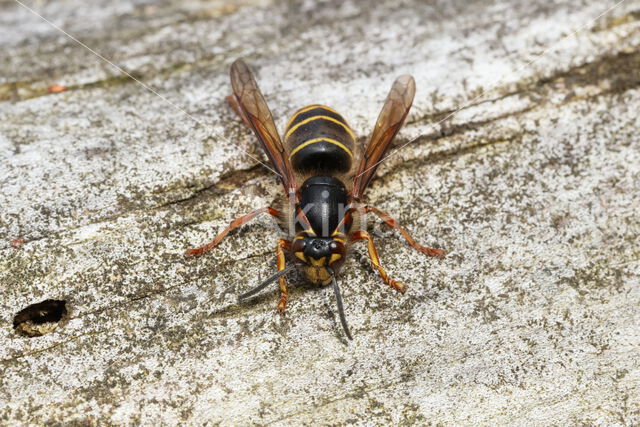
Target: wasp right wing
{"type": "Point", "coordinates": [395, 110]}
{"type": "Point", "coordinates": [259, 118]}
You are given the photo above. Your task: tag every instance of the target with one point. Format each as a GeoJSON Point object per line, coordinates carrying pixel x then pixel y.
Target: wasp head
{"type": "Point", "coordinates": [317, 254]}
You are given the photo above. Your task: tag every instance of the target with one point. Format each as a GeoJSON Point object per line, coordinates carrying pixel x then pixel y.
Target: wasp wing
{"type": "Point", "coordinates": [392, 116]}
{"type": "Point", "coordinates": [257, 114]}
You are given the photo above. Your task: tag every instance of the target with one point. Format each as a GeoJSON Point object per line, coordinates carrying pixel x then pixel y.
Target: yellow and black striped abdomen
{"type": "Point", "coordinates": [320, 140]}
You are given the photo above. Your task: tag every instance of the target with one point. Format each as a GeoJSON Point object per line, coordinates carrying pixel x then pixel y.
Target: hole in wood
{"type": "Point", "coordinates": [41, 318]}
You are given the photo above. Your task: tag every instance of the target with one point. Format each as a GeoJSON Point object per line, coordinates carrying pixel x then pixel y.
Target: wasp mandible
{"type": "Point", "coordinates": [322, 215]}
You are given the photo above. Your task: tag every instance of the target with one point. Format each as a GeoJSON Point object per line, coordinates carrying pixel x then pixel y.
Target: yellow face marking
{"type": "Point", "coordinates": [317, 262]}
{"type": "Point", "coordinates": [334, 257]}
{"type": "Point", "coordinates": [311, 141]}
{"type": "Point", "coordinates": [301, 256]}
{"type": "Point", "coordinates": [307, 108]}
{"type": "Point", "coordinates": [310, 119]}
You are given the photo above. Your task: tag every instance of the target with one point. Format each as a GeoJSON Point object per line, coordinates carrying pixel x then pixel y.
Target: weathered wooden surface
{"type": "Point", "coordinates": [533, 190]}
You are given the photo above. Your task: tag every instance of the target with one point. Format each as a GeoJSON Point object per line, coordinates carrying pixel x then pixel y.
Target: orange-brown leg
{"type": "Point", "coordinates": [394, 224]}
{"type": "Point", "coordinates": [233, 102]}
{"type": "Point", "coordinates": [283, 245]}
{"type": "Point", "coordinates": [375, 260]}
{"type": "Point", "coordinates": [234, 224]}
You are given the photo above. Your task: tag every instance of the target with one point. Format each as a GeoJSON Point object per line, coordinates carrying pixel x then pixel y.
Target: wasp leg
{"type": "Point", "coordinates": [394, 224]}
{"type": "Point", "coordinates": [375, 260]}
{"type": "Point", "coordinates": [233, 102]}
{"type": "Point", "coordinates": [234, 224]}
{"type": "Point", "coordinates": [284, 295]}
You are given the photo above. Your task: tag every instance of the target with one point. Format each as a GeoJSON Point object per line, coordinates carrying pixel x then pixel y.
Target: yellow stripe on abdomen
{"type": "Point", "coordinates": [342, 124]}
{"type": "Point", "coordinates": [315, 140]}
{"type": "Point", "coordinates": [309, 108]}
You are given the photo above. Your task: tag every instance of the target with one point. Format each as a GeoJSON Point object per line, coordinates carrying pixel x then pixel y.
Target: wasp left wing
{"type": "Point", "coordinates": [258, 117]}
{"type": "Point", "coordinates": [390, 120]}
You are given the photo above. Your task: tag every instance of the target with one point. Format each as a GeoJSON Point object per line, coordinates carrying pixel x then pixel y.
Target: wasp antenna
{"type": "Point", "coordinates": [264, 284]}
{"type": "Point", "coordinates": [343, 319]}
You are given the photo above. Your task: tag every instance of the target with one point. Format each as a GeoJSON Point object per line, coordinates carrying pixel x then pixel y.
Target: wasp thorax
{"type": "Point", "coordinates": [323, 200]}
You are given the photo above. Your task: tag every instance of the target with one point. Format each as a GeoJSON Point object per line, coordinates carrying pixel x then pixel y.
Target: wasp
{"type": "Point", "coordinates": [324, 184]}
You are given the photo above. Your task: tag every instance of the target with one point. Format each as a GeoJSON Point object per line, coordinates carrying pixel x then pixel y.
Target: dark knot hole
{"type": "Point", "coordinates": [41, 318]}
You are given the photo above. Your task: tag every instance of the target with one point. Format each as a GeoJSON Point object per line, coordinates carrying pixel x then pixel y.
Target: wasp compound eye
{"type": "Point", "coordinates": [299, 245]}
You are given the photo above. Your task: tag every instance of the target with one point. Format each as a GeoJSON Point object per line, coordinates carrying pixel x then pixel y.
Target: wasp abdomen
{"type": "Point", "coordinates": [319, 139]}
